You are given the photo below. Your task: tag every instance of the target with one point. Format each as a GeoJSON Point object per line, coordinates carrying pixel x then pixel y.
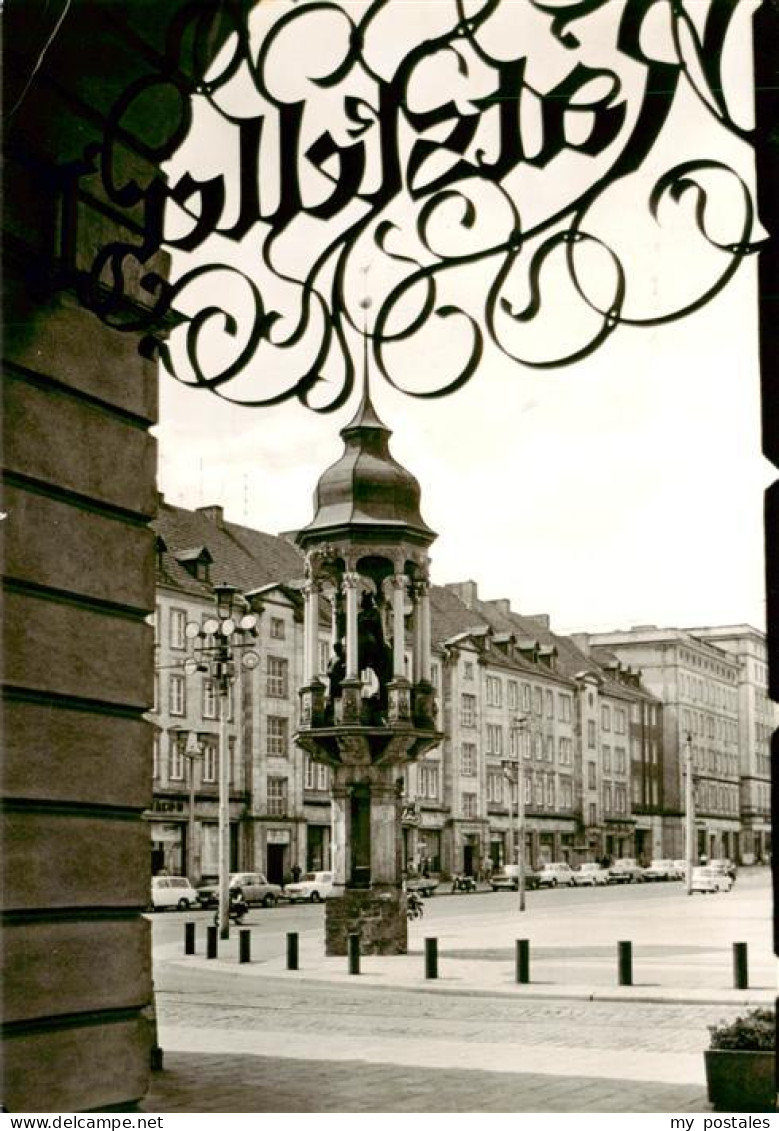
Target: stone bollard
{"type": "Point", "coordinates": [625, 963]}
{"type": "Point", "coordinates": [244, 945]}
{"type": "Point", "coordinates": [431, 958]}
{"type": "Point", "coordinates": [292, 950]}
{"type": "Point", "coordinates": [523, 961]}
{"type": "Point", "coordinates": [189, 938]}
{"type": "Point", "coordinates": [353, 942]}
{"type": "Point", "coordinates": [212, 936]}
{"type": "Point", "coordinates": [740, 967]}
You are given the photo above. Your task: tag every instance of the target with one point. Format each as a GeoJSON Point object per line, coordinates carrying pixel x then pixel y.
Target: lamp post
{"type": "Point", "coordinates": [192, 752]}
{"type": "Point", "coordinates": [214, 645]}
{"type": "Point", "coordinates": [519, 725]}
{"type": "Point", "coordinates": [689, 813]}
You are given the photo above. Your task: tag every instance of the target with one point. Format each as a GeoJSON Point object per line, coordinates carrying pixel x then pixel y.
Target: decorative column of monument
{"type": "Point", "coordinates": [368, 539]}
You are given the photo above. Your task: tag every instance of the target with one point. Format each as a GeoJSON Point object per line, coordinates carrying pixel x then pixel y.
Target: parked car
{"type": "Point", "coordinates": [172, 891]}
{"type": "Point", "coordinates": [680, 866]}
{"type": "Point", "coordinates": [554, 875]}
{"type": "Point", "coordinates": [661, 870]}
{"type": "Point", "coordinates": [590, 874]}
{"type": "Point", "coordinates": [724, 865]}
{"type": "Point", "coordinates": [251, 886]}
{"type": "Point", "coordinates": [625, 871]}
{"type": "Point", "coordinates": [508, 879]}
{"type": "Point", "coordinates": [423, 885]}
{"type": "Point", "coordinates": [708, 879]}
{"type": "Point", "coordinates": [312, 888]}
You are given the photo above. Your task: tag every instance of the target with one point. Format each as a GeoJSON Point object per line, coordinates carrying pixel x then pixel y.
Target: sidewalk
{"type": "Point", "coordinates": [225, 1083]}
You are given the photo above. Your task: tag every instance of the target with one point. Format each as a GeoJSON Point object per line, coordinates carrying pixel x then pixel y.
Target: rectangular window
{"type": "Point", "coordinates": [566, 751]}
{"type": "Point", "coordinates": [607, 798]}
{"type": "Point", "coordinates": [539, 790]}
{"type": "Point", "coordinates": [592, 811]}
{"type": "Point", "coordinates": [605, 717]}
{"type": "Point", "coordinates": [277, 736]}
{"type": "Point", "coordinates": [468, 805]}
{"type": "Point", "coordinates": [513, 694]}
{"type": "Point", "coordinates": [176, 757]}
{"type": "Point", "coordinates": [178, 620]}
{"type": "Point", "coordinates": [177, 701]}
{"type": "Point", "coordinates": [591, 734]}
{"type": "Point", "coordinates": [468, 670]}
{"type": "Point", "coordinates": [621, 755]}
{"type": "Point", "coordinates": [155, 755]}
{"type": "Point", "coordinates": [549, 704]}
{"type": "Point", "coordinates": [494, 691]}
{"type": "Point", "coordinates": [495, 740]}
{"type": "Point", "coordinates": [277, 797]}
{"type": "Point", "coordinates": [427, 783]}
{"type": "Point", "coordinates": [210, 761]}
{"type": "Point", "coordinates": [550, 791]}
{"type": "Point", "coordinates": [210, 708]}
{"type": "Point", "coordinates": [591, 778]}
{"type": "Point", "coordinates": [538, 701]}
{"type": "Point", "coordinates": [277, 677]}
{"type": "Point", "coordinates": [566, 793]}
{"type": "Point", "coordinates": [468, 759]}
{"type": "Point", "coordinates": [607, 759]}
{"type": "Point", "coordinates": [525, 696]}
{"type": "Point", "coordinates": [322, 776]}
{"type": "Point", "coordinates": [619, 720]}
{"type": "Point", "coordinates": [468, 710]}
{"type": "Point", "coordinates": [309, 773]}
{"type": "Point", "coordinates": [277, 628]}
{"type": "Point", "coordinates": [495, 788]}
{"type": "Point", "coordinates": [564, 708]}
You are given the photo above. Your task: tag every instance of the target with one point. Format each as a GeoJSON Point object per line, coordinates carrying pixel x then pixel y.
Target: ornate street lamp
{"type": "Point", "coordinates": [514, 772]}
{"type": "Point", "coordinates": [234, 629]}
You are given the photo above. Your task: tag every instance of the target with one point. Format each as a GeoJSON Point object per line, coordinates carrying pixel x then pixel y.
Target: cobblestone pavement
{"type": "Point", "coordinates": [199, 1083]}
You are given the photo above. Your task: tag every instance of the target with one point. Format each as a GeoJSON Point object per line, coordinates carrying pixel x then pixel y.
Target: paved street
{"type": "Point", "coordinates": [472, 1040]}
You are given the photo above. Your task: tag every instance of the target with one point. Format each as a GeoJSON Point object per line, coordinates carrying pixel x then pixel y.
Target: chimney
{"type": "Point", "coordinates": [543, 620]}
{"type": "Point", "coordinates": [582, 641]}
{"type": "Point", "coordinates": [467, 591]}
{"type": "Point", "coordinates": [502, 604]}
{"type": "Point", "coordinates": [214, 514]}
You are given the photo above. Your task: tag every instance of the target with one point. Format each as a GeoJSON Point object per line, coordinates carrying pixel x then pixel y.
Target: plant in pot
{"type": "Point", "coordinates": [741, 1063]}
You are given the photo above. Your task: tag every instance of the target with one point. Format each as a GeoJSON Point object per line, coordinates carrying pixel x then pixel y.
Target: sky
{"type": "Point", "coordinates": [624, 489]}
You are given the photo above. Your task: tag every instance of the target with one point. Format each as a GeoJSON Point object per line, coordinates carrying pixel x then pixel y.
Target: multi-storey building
{"type": "Point", "coordinates": [594, 728]}
{"type": "Point", "coordinates": [698, 683]}
{"type": "Point", "coordinates": [758, 717]}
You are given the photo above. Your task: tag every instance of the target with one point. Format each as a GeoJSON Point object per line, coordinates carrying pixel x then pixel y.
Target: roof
{"type": "Point", "coordinates": [240, 556]}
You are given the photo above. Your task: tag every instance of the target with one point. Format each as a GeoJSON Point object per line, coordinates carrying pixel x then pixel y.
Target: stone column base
{"type": "Point", "coordinates": [377, 915]}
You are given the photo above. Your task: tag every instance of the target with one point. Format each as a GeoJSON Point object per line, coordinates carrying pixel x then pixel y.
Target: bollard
{"type": "Point", "coordinates": [740, 970]}
{"type": "Point", "coordinates": [189, 938]}
{"type": "Point", "coordinates": [523, 961]}
{"type": "Point", "coordinates": [431, 958]}
{"type": "Point", "coordinates": [212, 934]}
{"type": "Point", "coordinates": [354, 954]}
{"type": "Point", "coordinates": [292, 950]}
{"type": "Point", "coordinates": [625, 963]}
{"type": "Point", "coordinates": [244, 945]}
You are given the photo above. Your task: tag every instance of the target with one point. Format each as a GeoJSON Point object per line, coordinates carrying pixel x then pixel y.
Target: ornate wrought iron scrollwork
{"type": "Point", "coordinates": [455, 164]}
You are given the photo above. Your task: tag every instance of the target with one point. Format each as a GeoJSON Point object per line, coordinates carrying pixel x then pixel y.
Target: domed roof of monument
{"type": "Point", "coordinates": [366, 488]}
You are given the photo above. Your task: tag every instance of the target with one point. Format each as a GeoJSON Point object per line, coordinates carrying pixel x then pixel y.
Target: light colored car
{"type": "Point", "coordinates": [726, 866]}
{"type": "Point", "coordinates": [555, 875]}
{"type": "Point", "coordinates": [625, 871]}
{"type": "Point", "coordinates": [172, 891]}
{"type": "Point", "coordinates": [508, 879]}
{"type": "Point", "coordinates": [680, 866]}
{"type": "Point", "coordinates": [708, 879]}
{"type": "Point", "coordinates": [661, 870]}
{"type": "Point", "coordinates": [313, 887]}
{"type": "Point", "coordinates": [590, 874]}
{"type": "Point", "coordinates": [252, 887]}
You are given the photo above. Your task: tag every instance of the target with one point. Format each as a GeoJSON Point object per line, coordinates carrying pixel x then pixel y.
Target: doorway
{"type": "Point", "coordinates": [275, 856]}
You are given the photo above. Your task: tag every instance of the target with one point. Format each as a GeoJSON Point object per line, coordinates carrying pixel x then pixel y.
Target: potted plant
{"type": "Point", "coordinates": [741, 1063]}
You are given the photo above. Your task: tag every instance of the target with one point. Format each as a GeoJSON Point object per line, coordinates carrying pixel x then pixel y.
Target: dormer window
{"type": "Point", "coordinates": [197, 562]}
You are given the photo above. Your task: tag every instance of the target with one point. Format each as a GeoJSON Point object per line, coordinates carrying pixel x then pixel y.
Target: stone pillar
{"type": "Point", "coordinates": [398, 625]}
{"type": "Point", "coordinates": [351, 583]}
{"type": "Point", "coordinates": [385, 832]}
{"type": "Point", "coordinates": [311, 632]}
{"type": "Point", "coordinates": [339, 830]}
{"type": "Point", "coordinates": [423, 612]}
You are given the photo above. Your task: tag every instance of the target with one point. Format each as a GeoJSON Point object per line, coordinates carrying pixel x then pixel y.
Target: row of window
{"type": "Point", "coordinates": [538, 746]}
{"type": "Point", "coordinates": [207, 754]}
{"type": "Point", "coordinates": [703, 691]}
{"type": "Point", "coordinates": [620, 759]}
{"type": "Point", "coordinates": [714, 798]}
{"type": "Point", "coordinates": [522, 696]}
{"type": "Point", "coordinates": [714, 761]}
{"type": "Point", "coordinates": [276, 686]}
{"type": "Point", "coordinates": [541, 791]}
{"type": "Point", "coordinates": [177, 624]}
{"type": "Point", "coordinates": [696, 661]}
